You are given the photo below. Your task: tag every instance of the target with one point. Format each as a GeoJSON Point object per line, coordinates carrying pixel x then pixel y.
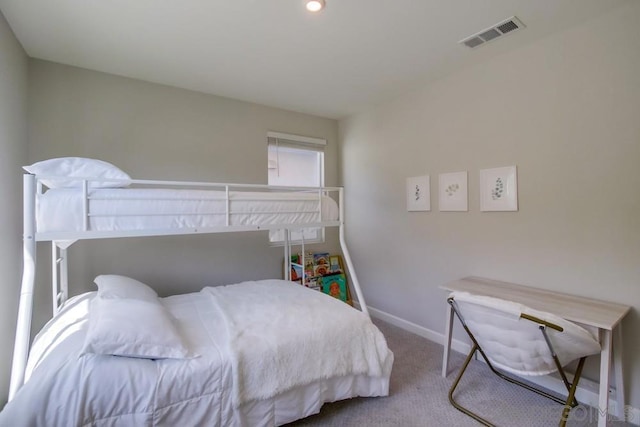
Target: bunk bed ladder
{"type": "Point", "coordinates": [60, 288]}
{"type": "Point", "coordinates": [59, 269]}
{"type": "Point", "coordinates": [286, 266]}
{"type": "Point", "coordinates": [23, 327]}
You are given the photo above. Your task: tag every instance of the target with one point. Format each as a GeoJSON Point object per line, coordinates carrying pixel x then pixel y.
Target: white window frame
{"type": "Point", "coordinates": [299, 142]}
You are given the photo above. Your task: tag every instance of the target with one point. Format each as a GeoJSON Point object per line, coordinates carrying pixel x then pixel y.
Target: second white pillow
{"type": "Point", "coordinates": [113, 286]}
{"type": "Point", "coordinates": [132, 328]}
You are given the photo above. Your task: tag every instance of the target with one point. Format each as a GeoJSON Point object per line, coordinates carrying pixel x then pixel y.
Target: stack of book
{"type": "Point", "coordinates": [322, 272]}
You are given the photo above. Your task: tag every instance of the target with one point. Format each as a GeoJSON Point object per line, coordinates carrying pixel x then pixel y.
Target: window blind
{"type": "Point", "coordinates": [298, 142]}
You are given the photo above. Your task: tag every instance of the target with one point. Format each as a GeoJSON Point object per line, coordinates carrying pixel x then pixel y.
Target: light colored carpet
{"type": "Point", "coordinates": [418, 394]}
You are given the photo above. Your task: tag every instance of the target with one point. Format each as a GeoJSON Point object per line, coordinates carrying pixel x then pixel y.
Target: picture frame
{"type": "Point", "coordinates": [418, 194]}
{"type": "Point", "coordinates": [335, 285]}
{"type": "Point", "coordinates": [452, 192]}
{"type": "Point", "coordinates": [499, 189]}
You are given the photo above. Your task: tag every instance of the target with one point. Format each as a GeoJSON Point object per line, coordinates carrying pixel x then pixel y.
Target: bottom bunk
{"type": "Point", "coordinates": [258, 353]}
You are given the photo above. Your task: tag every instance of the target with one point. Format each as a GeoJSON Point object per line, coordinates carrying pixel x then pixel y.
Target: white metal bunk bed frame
{"type": "Point", "coordinates": [60, 242]}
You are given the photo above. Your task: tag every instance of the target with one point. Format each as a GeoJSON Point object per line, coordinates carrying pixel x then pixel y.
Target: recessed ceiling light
{"type": "Point", "coordinates": [315, 5]}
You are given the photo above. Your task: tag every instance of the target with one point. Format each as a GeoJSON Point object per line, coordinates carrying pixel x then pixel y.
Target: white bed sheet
{"type": "Point", "coordinates": [63, 389]}
{"type": "Point", "coordinates": [114, 209]}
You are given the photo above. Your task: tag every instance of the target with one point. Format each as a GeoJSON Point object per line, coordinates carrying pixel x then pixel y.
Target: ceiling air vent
{"type": "Point", "coordinates": [501, 28]}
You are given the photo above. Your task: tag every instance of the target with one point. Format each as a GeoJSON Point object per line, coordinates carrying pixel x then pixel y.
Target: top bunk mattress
{"type": "Point", "coordinates": [128, 209]}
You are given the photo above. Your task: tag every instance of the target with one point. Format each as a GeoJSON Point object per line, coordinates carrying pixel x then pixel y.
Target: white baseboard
{"type": "Point", "coordinates": [587, 390]}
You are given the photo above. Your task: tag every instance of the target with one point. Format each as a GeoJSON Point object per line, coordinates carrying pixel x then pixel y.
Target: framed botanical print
{"type": "Point", "coordinates": [499, 189]}
{"type": "Point", "coordinates": [452, 191]}
{"type": "Point", "coordinates": [418, 194]}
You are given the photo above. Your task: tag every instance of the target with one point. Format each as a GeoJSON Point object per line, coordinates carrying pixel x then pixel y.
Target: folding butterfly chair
{"type": "Point", "coordinates": [516, 339]}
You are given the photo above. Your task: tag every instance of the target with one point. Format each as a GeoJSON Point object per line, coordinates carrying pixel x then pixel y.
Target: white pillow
{"type": "Point", "coordinates": [132, 328]}
{"type": "Point", "coordinates": [79, 167]}
{"type": "Point", "coordinates": [112, 286]}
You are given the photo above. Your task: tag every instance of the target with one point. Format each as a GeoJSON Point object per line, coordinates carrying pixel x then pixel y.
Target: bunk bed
{"type": "Point", "coordinates": [222, 333]}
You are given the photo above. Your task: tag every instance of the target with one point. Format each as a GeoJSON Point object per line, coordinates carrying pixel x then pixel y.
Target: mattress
{"type": "Point", "coordinates": [120, 209]}
{"type": "Point", "coordinates": [63, 388]}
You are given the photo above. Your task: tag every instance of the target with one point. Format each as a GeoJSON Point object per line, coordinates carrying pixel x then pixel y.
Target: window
{"type": "Point", "coordinates": [296, 161]}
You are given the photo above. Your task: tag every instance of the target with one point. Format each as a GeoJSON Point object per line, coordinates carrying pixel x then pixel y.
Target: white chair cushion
{"type": "Point", "coordinates": [517, 345]}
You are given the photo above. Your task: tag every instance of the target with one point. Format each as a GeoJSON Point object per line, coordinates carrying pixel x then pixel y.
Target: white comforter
{"type": "Point", "coordinates": [311, 336]}
{"type": "Point", "coordinates": [229, 383]}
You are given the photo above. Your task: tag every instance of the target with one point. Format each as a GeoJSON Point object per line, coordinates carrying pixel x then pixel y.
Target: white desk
{"type": "Point", "coordinates": [605, 316]}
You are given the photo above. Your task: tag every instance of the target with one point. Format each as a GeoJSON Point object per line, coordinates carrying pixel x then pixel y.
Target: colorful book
{"type": "Point", "coordinates": [296, 271]}
{"type": "Point", "coordinates": [335, 285]}
{"type": "Point", "coordinates": [321, 258]}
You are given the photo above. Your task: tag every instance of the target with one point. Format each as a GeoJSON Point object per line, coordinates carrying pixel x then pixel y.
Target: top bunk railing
{"type": "Point", "coordinates": [225, 207]}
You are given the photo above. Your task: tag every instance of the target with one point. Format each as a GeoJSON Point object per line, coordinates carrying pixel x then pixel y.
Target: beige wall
{"type": "Point", "coordinates": [566, 111]}
{"type": "Point", "coordinates": [13, 149]}
{"type": "Point", "coordinates": [158, 132]}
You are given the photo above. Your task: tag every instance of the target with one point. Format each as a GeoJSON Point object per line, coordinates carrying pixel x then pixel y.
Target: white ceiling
{"type": "Point", "coordinates": [273, 52]}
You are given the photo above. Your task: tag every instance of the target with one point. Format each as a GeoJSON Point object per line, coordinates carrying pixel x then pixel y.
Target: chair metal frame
{"type": "Point", "coordinates": [569, 403]}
